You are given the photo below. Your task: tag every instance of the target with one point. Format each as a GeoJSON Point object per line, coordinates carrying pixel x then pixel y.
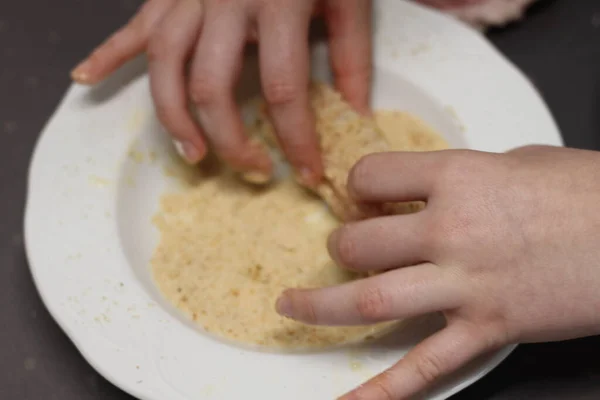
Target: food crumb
{"type": "Point", "coordinates": [99, 181]}
{"type": "Point", "coordinates": [130, 182]}
{"type": "Point", "coordinates": [136, 155]}
{"type": "Point", "coordinates": [452, 111]}
{"type": "Point", "coordinates": [135, 121]}
{"type": "Point", "coordinates": [355, 365]}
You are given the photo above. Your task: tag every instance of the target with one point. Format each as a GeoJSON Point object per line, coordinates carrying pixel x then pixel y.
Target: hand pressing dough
{"type": "Point", "coordinates": [228, 249]}
{"type": "Point", "coordinates": [346, 137]}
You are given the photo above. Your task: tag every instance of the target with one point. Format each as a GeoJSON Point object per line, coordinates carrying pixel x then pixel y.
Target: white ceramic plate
{"type": "Point", "coordinates": [89, 236]}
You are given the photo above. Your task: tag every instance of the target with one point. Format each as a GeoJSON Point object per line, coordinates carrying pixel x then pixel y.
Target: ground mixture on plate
{"type": "Point", "coordinates": [228, 249]}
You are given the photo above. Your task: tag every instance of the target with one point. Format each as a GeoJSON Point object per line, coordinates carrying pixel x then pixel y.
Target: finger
{"type": "Point", "coordinates": [432, 359]}
{"type": "Point", "coordinates": [350, 49]}
{"type": "Point", "coordinates": [395, 176]}
{"type": "Point", "coordinates": [215, 66]}
{"type": "Point", "coordinates": [397, 294]}
{"type": "Point", "coordinates": [380, 243]}
{"type": "Point", "coordinates": [168, 50]}
{"type": "Point", "coordinates": [284, 70]}
{"type": "Point", "coordinates": [123, 45]}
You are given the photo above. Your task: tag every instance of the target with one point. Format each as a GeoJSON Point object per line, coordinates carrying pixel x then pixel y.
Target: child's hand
{"type": "Point", "coordinates": [211, 35]}
{"type": "Point", "coordinates": [508, 248]}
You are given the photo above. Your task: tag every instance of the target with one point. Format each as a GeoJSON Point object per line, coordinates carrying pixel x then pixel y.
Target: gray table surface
{"type": "Point", "coordinates": [558, 47]}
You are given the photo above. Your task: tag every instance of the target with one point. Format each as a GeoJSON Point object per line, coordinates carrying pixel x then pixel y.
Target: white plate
{"type": "Point", "coordinates": [89, 236]}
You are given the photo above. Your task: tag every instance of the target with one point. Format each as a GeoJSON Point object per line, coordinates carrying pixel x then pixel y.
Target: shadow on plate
{"type": "Point", "coordinates": [117, 82]}
{"type": "Point", "coordinates": [137, 67]}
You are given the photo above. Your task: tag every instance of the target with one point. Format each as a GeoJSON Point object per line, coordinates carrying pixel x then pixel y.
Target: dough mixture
{"type": "Point", "coordinates": [228, 249]}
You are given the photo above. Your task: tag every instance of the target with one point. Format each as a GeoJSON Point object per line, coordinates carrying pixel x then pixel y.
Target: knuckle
{"type": "Point", "coordinates": [429, 368]}
{"type": "Point", "coordinates": [452, 226]}
{"type": "Point", "coordinates": [373, 304]}
{"type": "Point", "coordinates": [281, 91]}
{"type": "Point", "coordinates": [306, 307]}
{"type": "Point", "coordinates": [159, 46]}
{"type": "Point", "coordinates": [205, 89]}
{"type": "Point", "coordinates": [458, 169]}
{"type": "Point", "coordinates": [452, 229]}
{"type": "Point", "coordinates": [382, 386]}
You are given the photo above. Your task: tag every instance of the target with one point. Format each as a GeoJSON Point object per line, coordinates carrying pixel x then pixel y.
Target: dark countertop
{"type": "Point", "coordinates": [558, 47]}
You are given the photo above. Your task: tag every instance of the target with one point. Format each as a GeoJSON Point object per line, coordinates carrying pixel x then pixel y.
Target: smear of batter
{"type": "Point", "coordinates": [228, 249]}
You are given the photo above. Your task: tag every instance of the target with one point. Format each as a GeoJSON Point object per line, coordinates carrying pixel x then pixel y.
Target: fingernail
{"type": "Point", "coordinates": [256, 177]}
{"type": "Point", "coordinates": [179, 147]}
{"type": "Point", "coordinates": [79, 74]}
{"type": "Point", "coordinates": [188, 151]}
{"type": "Point", "coordinates": [262, 170]}
{"type": "Point", "coordinates": [284, 306]}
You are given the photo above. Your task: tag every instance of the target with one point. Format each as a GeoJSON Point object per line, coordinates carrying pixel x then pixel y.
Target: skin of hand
{"type": "Point", "coordinates": [210, 36]}
{"type": "Point", "coordinates": [507, 248]}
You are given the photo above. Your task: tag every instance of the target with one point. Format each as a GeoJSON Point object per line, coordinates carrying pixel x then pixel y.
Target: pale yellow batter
{"type": "Point", "coordinates": [228, 250]}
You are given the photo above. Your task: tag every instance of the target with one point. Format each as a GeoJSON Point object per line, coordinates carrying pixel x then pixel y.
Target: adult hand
{"type": "Point", "coordinates": [508, 248]}
{"type": "Point", "coordinates": [211, 35]}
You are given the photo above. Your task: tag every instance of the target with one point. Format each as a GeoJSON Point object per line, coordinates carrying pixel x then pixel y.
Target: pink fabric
{"type": "Point", "coordinates": [482, 13]}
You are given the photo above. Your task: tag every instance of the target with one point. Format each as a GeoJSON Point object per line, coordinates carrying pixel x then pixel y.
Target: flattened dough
{"type": "Point", "coordinates": [346, 136]}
